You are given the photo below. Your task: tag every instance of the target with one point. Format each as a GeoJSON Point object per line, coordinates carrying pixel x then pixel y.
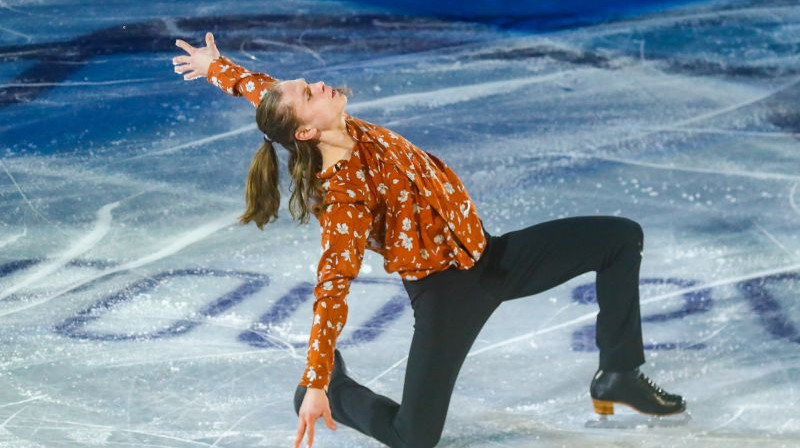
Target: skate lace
{"type": "Point", "coordinates": [643, 378]}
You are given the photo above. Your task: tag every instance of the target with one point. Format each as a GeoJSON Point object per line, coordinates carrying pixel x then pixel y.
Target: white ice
{"type": "Point", "coordinates": [121, 184]}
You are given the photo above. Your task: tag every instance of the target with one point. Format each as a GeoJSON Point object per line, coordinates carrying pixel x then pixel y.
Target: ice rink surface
{"type": "Point", "coordinates": [134, 311]}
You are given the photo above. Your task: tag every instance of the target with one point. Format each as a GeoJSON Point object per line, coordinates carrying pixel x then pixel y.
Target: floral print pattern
{"type": "Point", "coordinates": [390, 197]}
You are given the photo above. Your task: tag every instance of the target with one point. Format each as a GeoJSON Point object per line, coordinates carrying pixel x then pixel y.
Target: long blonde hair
{"type": "Point", "coordinates": [262, 190]}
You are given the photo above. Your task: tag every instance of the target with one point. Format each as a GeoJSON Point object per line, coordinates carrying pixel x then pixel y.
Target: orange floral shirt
{"type": "Point", "coordinates": [390, 197]}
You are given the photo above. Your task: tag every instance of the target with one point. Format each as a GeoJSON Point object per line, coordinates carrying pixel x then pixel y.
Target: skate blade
{"type": "Point", "coordinates": [632, 421]}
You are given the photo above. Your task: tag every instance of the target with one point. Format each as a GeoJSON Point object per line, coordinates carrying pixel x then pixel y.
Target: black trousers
{"type": "Point", "coordinates": [451, 306]}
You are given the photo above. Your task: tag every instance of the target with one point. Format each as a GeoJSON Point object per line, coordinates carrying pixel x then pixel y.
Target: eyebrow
{"type": "Point", "coordinates": [306, 90]}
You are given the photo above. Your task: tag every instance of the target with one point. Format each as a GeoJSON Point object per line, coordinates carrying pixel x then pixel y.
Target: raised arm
{"type": "Point", "coordinates": [221, 71]}
{"type": "Point", "coordinates": [238, 81]}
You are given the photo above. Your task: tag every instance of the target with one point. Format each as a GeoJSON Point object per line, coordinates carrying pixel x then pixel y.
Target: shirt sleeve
{"type": "Point", "coordinates": [238, 81]}
{"type": "Point", "coordinates": [345, 225]}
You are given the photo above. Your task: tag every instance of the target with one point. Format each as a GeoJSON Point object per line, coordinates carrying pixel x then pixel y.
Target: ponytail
{"type": "Point", "coordinates": [307, 193]}
{"type": "Point", "coordinates": [262, 192]}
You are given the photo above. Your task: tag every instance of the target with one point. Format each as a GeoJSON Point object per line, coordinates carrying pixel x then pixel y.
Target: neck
{"type": "Point", "coordinates": [335, 144]}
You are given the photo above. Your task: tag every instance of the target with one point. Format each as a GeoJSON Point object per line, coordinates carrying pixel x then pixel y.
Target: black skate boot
{"type": "Point", "coordinates": [634, 389]}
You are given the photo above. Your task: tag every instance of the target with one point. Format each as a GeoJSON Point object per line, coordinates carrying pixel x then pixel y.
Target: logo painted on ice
{"type": "Point", "coordinates": [583, 339]}
{"type": "Point", "coordinates": [758, 292]}
{"type": "Point", "coordinates": [258, 335]}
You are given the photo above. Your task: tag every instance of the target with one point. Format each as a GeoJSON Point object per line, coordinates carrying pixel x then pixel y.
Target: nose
{"type": "Point", "coordinates": [321, 86]}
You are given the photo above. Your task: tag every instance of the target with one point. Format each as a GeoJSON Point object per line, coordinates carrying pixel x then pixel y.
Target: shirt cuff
{"type": "Point", "coordinates": [214, 68]}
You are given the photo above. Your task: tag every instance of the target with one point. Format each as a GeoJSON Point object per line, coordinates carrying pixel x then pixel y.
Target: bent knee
{"type": "Point", "coordinates": [633, 231]}
{"type": "Point", "coordinates": [637, 231]}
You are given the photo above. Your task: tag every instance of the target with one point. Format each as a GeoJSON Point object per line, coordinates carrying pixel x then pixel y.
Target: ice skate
{"type": "Point", "coordinates": [634, 389]}
{"type": "Point", "coordinates": [655, 407]}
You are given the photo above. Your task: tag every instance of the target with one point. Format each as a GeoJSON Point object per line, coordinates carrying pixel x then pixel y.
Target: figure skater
{"type": "Point", "coordinates": [370, 188]}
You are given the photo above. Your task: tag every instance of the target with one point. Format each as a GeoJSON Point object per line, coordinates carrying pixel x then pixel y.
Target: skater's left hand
{"type": "Point", "coordinates": [315, 405]}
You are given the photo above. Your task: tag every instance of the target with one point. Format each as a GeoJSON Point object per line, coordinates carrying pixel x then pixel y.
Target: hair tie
{"type": "Point", "coordinates": [266, 139]}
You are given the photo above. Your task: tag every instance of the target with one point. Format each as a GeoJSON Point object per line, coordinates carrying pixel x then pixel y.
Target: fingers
{"type": "Point", "coordinates": [209, 39]}
{"type": "Point", "coordinates": [186, 67]}
{"type": "Point", "coordinates": [181, 60]}
{"type": "Point", "coordinates": [301, 429]}
{"type": "Point", "coordinates": [329, 419]}
{"type": "Point", "coordinates": [181, 43]}
{"type": "Point", "coordinates": [311, 433]}
{"type": "Point", "coordinates": [189, 76]}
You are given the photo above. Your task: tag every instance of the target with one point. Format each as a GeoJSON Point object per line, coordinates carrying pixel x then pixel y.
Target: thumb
{"type": "Point", "coordinates": [210, 43]}
{"type": "Point", "coordinates": [329, 419]}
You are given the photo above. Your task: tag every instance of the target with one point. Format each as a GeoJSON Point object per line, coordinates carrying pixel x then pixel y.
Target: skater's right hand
{"type": "Point", "coordinates": [315, 405]}
{"type": "Point", "coordinates": [198, 59]}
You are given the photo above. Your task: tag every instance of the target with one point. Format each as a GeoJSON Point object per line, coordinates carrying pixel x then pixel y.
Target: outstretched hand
{"type": "Point", "coordinates": [315, 405]}
{"type": "Point", "coordinates": [198, 59]}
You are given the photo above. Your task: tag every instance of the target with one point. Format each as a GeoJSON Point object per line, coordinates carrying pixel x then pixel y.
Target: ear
{"type": "Point", "coordinates": [305, 133]}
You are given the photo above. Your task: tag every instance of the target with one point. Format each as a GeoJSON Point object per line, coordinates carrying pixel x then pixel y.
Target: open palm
{"type": "Point", "coordinates": [198, 60]}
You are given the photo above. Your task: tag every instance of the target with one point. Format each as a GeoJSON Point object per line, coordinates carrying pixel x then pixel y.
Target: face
{"type": "Point", "coordinates": [318, 106]}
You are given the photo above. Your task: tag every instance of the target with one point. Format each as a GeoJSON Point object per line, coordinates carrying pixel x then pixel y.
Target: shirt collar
{"type": "Point", "coordinates": [357, 132]}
